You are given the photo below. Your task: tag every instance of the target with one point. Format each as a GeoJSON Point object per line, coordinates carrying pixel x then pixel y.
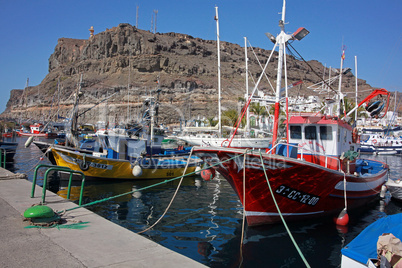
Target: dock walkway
{"type": "Point", "coordinates": [100, 243]}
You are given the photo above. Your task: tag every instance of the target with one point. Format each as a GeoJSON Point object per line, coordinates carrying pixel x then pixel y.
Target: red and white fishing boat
{"type": "Point", "coordinates": [315, 172]}
{"type": "Point", "coordinates": [36, 130]}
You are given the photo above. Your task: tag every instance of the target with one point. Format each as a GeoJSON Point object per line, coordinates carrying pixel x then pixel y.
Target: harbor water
{"type": "Point", "coordinates": [205, 220]}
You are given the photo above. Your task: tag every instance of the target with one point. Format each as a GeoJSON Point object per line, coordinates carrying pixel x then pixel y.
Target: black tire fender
{"type": "Point", "coordinates": [84, 165]}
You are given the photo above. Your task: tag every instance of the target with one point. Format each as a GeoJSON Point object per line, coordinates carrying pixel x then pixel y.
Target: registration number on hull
{"type": "Point", "coordinates": [296, 195]}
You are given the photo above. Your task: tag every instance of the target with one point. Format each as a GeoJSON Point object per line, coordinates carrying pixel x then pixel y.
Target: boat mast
{"type": "Point", "coordinates": [128, 91]}
{"type": "Point", "coordinates": [340, 96]}
{"type": "Point", "coordinates": [356, 89]}
{"type": "Point", "coordinates": [248, 107]}
{"type": "Point", "coordinates": [74, 117]}
{"type": "Point", "coordinates": [281, 40]}
{"type": "Point", "coordinates": [219, 74]}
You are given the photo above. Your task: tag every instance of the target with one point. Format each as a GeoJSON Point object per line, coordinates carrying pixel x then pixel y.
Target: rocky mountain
{"type": "Point", "coordinates": [132, 63]}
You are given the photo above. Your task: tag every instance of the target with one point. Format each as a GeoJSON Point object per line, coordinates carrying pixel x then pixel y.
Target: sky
{"type": "Point", "coordinates": [371, 30]}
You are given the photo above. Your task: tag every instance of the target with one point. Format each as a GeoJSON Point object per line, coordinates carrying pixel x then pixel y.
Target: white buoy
{"type": "Point", "coordinates": [137, 171]}
{"type": "Point", "coordinates": [197, 170]}
{"type": "Point", "coordinates": [383, 191]}
{"type": "Point", "coordinates": [29, 141]}
{"type": "Point", "coordinates": [136, 194]}
{"type": "Point", "coordinates": [198, 183]}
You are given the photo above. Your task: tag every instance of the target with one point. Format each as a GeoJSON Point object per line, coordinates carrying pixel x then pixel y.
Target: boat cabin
{"type": "Point", "coordinates": [121, 147]}
{"type": "Point", "coordinates": [36, 128]}
{"type": "Point", "coordinates": [124, 147]}
{"type": "Point", "coordinates": [320, 139]}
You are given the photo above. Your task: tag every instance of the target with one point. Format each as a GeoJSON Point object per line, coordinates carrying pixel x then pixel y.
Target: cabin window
{"type": "Point", "coordinates": [295, 132]}
{"type": "Point", "coordinates": [310, 133]}
{"type": "Point", "coordinates": [326, 132]}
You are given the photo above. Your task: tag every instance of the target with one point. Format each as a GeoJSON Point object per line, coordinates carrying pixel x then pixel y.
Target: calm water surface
{"type": "Point", "coordinates": [205, 220]}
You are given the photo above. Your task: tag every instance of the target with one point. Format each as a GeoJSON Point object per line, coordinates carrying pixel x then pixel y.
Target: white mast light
{"type": "Point", "coordinates": [271, 37]}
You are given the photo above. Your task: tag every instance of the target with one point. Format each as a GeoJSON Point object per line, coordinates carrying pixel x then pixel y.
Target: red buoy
{"type": "Point", "coordinates": [343, 218]}
{"type": "Point", "coordinates": [204, 248]}
{"type": "Point", "coordinates": [342, 229]}
{"type": "Point", "coordinates": [208, 174]}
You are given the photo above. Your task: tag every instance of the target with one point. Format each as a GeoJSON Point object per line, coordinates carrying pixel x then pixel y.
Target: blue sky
{"type": "Point", "coordinates": [370, 29]}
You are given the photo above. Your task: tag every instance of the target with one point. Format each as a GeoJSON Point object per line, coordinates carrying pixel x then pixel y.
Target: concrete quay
{"type": "Point", "coordinates": [100, 243]}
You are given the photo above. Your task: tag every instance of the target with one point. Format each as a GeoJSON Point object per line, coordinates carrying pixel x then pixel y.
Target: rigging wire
{"type": "Point", "coordinates": [301, 57]}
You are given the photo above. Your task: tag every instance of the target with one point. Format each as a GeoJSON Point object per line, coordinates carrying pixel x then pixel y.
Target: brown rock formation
{"type": "Point", "coordinates": [124, 56]}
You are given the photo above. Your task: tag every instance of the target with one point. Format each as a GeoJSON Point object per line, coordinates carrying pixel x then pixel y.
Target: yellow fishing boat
{"type": "Point", "coordinates": [98, 165]}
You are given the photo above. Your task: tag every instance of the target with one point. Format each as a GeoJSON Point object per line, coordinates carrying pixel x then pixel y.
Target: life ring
{"type": "Point", "coordinates": [223, 144]}
{"type": "Point", "coordinates": [84, 165]}
{"type": "Point", "coordinates": [374, 141]}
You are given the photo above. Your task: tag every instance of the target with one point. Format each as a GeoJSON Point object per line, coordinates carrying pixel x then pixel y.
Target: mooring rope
{"type": "Point", "coordinates": [244, 208]}
{"type": "Point", "coordinates": [77, 225]}
{"type": "Point", "coordinates": [344, 190]}
{"type": "Point", "coordinates": [280, 215]}
{"type": "Point", "coordinates": [174, 195]}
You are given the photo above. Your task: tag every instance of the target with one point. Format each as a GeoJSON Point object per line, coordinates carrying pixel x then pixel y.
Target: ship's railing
{"type": "Point", "coordinates": [57, 168]}
{"type": "Point", "coordinates": [286, 151]}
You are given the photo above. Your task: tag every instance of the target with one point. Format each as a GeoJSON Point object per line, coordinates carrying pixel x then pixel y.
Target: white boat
{"type": "Point", "coordinates": [361, 252]}
{"type": "Point", "coordinates": [395, 188]}
{"type": "Point", "coordinates": [380, 143]}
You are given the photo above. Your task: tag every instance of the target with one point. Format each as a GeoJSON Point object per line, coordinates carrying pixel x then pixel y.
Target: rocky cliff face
{"type": "Point", "coordinates": [129, 62]}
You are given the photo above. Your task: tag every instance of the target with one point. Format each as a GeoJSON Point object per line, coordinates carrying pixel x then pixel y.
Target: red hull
{"type": "Point", "coordinates": [45, 135]}
{"type": "Point", "coordinates": [301, 189]}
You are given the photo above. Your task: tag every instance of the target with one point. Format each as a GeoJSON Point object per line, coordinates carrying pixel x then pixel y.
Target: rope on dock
{"type": "Point", "coordinates": [77, 225]}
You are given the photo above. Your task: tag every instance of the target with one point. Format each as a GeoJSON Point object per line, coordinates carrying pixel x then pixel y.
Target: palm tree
{"type": "Point", "coordinates": [211, 121]}
{"type": "Point", "coordinates": [229, 117]}
{"type": "Point", "coordinates": [258, 110]}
